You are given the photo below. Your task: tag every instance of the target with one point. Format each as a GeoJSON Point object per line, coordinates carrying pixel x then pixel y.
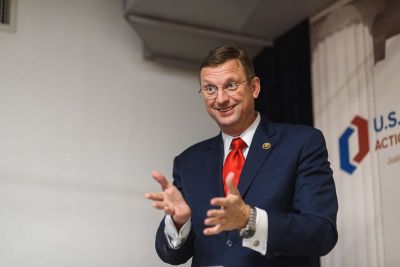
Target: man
{"type": "Point", "coordinates": [257, 194]}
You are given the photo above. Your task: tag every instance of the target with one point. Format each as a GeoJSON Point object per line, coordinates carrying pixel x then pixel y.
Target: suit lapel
{"type": "Point", "coordinates": [213, 159]}
{"type": "Point", "coordinates": [261, 146]}
{"type": "Point", "coordinates": [259, 151]}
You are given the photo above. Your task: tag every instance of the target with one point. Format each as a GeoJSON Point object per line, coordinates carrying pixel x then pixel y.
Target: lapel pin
{"type": "Point", "coordinates": [266, 146]}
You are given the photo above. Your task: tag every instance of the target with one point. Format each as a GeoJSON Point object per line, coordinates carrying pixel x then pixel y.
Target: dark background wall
{"type": "Point", "coordinates": [285, 74]}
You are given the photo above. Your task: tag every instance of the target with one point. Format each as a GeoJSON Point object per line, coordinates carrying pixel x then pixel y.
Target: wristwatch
{"type": "Point", "coordinates": [250, 229]}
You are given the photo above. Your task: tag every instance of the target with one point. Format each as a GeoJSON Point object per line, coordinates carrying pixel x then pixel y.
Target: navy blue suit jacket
{"type": "Point", "coordinates": [292, 181]}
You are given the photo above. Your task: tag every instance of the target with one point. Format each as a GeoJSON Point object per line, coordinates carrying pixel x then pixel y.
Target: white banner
{"type": "Point", "coordinates": [386, 124]}
{"type": "Point", "coordinates": [356, 97]}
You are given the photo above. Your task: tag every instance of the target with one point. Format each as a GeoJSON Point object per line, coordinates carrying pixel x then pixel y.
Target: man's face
{"type": "Point", "coordinates": [233, 111]}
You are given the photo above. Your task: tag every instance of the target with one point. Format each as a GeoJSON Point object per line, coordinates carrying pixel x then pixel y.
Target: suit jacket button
{"type": "Point", "coordinates": [229, 243]}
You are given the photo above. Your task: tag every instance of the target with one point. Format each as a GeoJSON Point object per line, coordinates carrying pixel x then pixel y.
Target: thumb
{"type": "Point", "coordinates": [160, 178]}
{"type": "Point", "coordinates": [230, 185]}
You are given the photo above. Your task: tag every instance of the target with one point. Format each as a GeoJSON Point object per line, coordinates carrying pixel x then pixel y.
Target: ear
{"type": "Point", "coordinates": [255, 87]}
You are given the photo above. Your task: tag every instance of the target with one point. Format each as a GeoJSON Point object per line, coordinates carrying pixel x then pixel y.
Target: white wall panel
{"type": "Point", "coordinates": [83, 122]}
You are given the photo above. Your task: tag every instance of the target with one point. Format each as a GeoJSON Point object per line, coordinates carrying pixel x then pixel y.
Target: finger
{"type": "Point", "coordinates": [218, 201]}
{"type": "Point", "coordinates": [154, 196]}
{"type": "Point", "coordinates": [213, 230]}
{"type": "Point", "coordinates": [159, 205]}
{"type": "Point", "coordinates": [216, 213]}
{"type": "Point", "coordinates": [169, 210]}
{"type": "Point", "coordinates": [230, 185]}
{"type": "Point", "coordinates": [160, 178]}
{"type": "Point", "coordinates": [214, 221]}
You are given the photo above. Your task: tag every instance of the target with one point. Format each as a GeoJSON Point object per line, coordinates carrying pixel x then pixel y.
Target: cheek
{"type": "Point", "coordinates": [208, 104]}
{"type": "Point", "coordinates": [238, 99]}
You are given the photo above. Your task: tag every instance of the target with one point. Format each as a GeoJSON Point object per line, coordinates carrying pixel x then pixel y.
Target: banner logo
{"type": "Point", "coordinates": [361, 125]}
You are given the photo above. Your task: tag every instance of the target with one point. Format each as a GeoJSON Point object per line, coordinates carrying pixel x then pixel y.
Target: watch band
{"type": "Point", "coordinates": [250, 229]}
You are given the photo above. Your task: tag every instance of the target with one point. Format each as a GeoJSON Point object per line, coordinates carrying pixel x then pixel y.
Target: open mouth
{"type": "Point", "coordinates": [225, 109]}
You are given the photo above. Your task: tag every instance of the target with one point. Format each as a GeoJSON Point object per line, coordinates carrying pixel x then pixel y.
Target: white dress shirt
{"type": "Point", "coordinates": [259, 241]}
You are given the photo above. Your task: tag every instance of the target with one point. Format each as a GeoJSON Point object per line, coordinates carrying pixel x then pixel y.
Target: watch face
{"type": "Point", "coordinates": [247, 233]}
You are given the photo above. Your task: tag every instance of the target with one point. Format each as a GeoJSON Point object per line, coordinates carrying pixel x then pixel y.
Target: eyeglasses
{"type": "Point", "coordinates": [210, 91]}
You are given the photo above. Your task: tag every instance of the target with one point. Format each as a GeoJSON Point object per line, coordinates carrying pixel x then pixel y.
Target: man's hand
{"type": "Point", "coordinates": [233, 214]}
{"type": "Point", "coordinates": [170, 200]}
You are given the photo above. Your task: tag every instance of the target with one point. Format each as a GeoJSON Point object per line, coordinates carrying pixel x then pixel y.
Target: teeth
{"type": "Point", "coordinates": [225, 109]}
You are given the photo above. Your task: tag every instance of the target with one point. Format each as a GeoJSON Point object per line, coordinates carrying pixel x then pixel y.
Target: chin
{"type": "Point", "coordinates": [226, 123]}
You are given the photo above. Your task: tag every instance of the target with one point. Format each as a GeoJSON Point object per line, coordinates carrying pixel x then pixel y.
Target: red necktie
{"type": "Point", "coordinates": [234, 161]}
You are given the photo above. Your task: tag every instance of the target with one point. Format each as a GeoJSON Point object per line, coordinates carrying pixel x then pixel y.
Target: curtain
{"type": "Point", "coordinates": [343, 89]}
{"type": "Point", "coordinates": [285, 75]}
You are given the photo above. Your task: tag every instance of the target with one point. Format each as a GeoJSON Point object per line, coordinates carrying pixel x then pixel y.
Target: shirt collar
{"type": "Point", "coordinates": [247, 135]}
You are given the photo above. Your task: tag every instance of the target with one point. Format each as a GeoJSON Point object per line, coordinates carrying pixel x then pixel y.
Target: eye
{"type": "Point", "coordinates": [210, 89]}
{"type": "Point", "coordinates": [231, 85]}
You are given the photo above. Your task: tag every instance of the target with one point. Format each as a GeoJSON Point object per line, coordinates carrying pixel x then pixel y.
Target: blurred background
{"type": "Point", "coordinates": [95, 94]}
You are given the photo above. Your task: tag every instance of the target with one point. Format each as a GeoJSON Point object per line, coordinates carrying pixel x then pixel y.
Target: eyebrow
{"type": "Point", "coordinates": [228, 80]}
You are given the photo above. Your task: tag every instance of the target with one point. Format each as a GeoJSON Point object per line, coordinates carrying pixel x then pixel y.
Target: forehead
{"type": "Point", "coordinates": [229, 69]}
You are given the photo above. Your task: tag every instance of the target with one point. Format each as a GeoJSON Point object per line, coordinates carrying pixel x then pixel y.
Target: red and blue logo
{"type": "Point", "coordinates": [386, 138]}
{"type": "Point", "coordinates": [361, 125]}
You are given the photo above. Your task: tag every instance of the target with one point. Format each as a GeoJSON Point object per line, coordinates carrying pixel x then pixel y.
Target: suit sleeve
{"type": "Point", "coordinates": [310, 227]}
{"type": "Point", "coordinates": [164, 251]}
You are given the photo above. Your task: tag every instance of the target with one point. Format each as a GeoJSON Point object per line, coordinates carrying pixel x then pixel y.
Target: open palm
{"type": "Point", "coordinates": [170, 200]}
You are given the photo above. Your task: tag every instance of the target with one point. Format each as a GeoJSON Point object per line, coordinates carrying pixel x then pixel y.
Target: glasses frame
{"type": "Point", "coordinates": [224, 88]}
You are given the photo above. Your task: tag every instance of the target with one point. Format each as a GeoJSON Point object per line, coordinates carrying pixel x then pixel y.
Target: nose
{"type": "Point", "coordinates": [221, 97]}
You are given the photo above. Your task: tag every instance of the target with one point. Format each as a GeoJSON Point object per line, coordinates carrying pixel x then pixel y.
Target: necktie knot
{"type": "Point", "coordinates": [238, 143]}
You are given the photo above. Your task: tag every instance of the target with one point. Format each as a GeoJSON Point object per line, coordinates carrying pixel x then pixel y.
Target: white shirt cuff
{"type": "Point", "coordinates": [176, 239]}
{"type": "Point", "coordinates": [259, 241]}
